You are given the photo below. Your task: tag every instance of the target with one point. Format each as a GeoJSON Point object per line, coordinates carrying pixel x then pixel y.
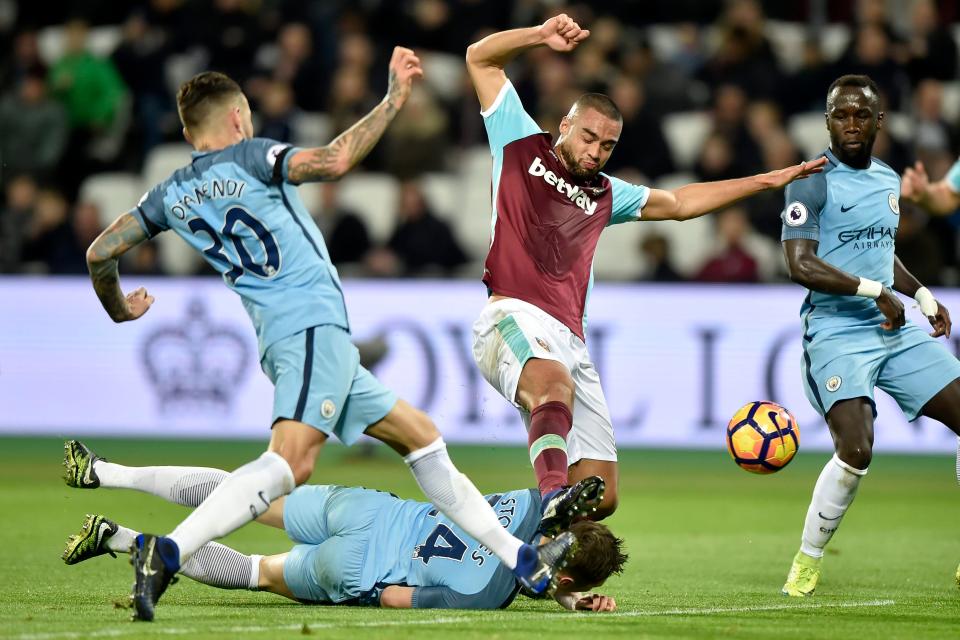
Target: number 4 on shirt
{"type": "Point", "coordinates": [452, 547]}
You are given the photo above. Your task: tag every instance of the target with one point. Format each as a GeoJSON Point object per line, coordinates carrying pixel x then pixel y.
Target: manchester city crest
{"type": "Point", "coordinates": [894, 203]}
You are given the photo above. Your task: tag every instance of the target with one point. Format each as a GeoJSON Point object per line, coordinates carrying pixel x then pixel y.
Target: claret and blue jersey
{"type": "Point", "coordinates": [237, 208]}
{"type": "Point", "coordinates": [546, 222]}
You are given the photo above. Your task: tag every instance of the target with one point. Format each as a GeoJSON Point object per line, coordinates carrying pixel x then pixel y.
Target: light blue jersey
{"type": "Point", "coordinates": [354, 542]}
{"type": "Point", "coordinates": [237, 208]}
{"type": "Point", "coordinates": [853, 214]}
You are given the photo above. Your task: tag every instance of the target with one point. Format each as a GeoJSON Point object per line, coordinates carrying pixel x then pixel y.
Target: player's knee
{"type": "Point", "coordinates": [857, 453]}
{"type": "Point", "coordinates": [555, 390]}
{"type": "Point", "coordinates": [302, 468]}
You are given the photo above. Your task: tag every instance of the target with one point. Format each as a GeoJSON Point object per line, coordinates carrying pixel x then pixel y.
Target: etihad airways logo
{"type": "Point", "coordinates": [572, 191]}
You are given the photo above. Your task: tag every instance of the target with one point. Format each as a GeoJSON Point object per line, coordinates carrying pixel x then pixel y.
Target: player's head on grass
{"type": "Point", "coordinates": [853, 118]}
{"type": "Point", "coordinates": [599, 555]}
{"type": "Point", "coordinates": [588, 134]}
{"type": "Point", "coordinates": [214, 111]}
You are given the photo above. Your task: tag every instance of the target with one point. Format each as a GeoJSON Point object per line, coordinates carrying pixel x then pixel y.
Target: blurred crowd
{"type": "Point", "coordinates": [92, 90]}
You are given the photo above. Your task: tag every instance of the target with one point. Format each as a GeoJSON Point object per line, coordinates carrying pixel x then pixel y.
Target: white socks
{"type": "Point", "coordinates": [834, 492]}
{"type": "Point", "coordinates": [454, 495]}
{"type": "Point", "coordinates": [213, 564]}
{"type": "Point", "coordinates": [122, 540]}
{"type": "Point", "coordinates": [188, 486]}
{"type": "Point", "coordinates": [243, 496]}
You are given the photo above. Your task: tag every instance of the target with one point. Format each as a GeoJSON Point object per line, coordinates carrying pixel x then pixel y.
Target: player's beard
{"type": "Point", "coordinates": [573, 166]}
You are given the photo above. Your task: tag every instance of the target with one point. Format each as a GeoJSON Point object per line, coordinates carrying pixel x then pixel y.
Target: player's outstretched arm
{"type": "Point", "coordinates": [907, 284]}
{"type": "Point", "coordinates": [350, 147]}
{"type": "Point", "coordinates": [102, 256]}
{"type": "Point", "coordinates": [806, 268]}
{"type": "Point", "coordinates": [699, 198]}
{"type": "Point", "coordinates": [936, 197]}
{"type": "Point", "coordinates": [487, 58]}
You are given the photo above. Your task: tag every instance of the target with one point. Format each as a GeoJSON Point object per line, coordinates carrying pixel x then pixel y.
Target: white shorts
{"type": "Point", "coordinates": [508, 333]}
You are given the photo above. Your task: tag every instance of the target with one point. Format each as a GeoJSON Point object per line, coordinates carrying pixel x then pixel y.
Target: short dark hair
{"type": "Point", "coordinates": [853, 80]}
{"type": "Point", "coordinates": [600, 102]}
{"type": "Point", "coordinates": [599, 553]}
{"type": "Point", "coordinates": [204, 91]}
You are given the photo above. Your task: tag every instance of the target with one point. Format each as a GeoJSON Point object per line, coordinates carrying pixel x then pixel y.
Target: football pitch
{"type": "Point", "coordinates": [709, 549]}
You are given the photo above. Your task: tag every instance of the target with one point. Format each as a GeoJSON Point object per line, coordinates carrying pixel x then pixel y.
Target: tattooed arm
{"type": "Point", "coordinates": [350, 147]}
{"type": "Point", "coordinates": [121, 236]}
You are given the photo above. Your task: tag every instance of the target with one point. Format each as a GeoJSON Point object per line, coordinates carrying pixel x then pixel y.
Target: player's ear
{"type": "Point", "coordinates": [187, 136]}
{"type": "Point", "coordinates": [564, 125]}
{"type": "Point", "coordinates": [564, 580]}
{"type": "Point", "coordinates": [880, 120]}
{"type": "Point", "coordinates": [236, 119]}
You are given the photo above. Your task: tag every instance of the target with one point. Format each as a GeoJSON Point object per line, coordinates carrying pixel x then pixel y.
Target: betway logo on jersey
{"type": "Point", "coordinates": [572, 191]}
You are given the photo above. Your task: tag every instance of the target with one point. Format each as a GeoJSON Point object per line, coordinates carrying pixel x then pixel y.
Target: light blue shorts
{"type": "Point", "coordinates": [841, 362]}
{"type": "Point", "coordinates": [318, 380]}
{"type": "Point", "coordinates": [334, 526]}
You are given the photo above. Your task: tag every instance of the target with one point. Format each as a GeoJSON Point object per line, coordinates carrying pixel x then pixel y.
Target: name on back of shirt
{"type": "Point", "coordinates": [208, 190]}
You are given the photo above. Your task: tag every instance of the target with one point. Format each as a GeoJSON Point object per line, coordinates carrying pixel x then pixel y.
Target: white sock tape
{"type": "Point", "coordinates": [928, 304]}
{"type": "Point", "coordinates": [869, 288]}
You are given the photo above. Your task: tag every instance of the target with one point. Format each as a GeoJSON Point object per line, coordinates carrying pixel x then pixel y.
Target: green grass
{"type": "Point", "coordinates": [709, 548]}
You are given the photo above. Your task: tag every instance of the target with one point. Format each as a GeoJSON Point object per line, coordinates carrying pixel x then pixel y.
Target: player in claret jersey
{"type": "Point", "coordinates": [550, 204]}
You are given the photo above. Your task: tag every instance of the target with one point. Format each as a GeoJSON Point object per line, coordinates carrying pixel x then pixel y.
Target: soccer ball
{"type": "Point", "coordinates": [763, 437]}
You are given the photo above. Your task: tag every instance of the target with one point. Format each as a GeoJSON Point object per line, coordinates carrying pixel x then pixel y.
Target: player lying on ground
{"type": "Point", "coordinates": [236, 203]}
{"type": "Point", "coordinates": [550, 204]}
{"type": "Point", "coordinates": [360, 546]}
{"type": "Point", "coordinates": [839, 230]}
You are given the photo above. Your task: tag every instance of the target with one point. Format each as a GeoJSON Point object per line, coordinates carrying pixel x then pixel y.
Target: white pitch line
{"type": "Point", "coordinates": [711, 610]}
{"type": "Point", "coordinates": [136, 629]}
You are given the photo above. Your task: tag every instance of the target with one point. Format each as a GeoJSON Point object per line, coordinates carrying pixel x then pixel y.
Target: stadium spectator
{"type": "Point", "coordinates": [140, 59]}
{"type": "Point", "coordinates": [230, 32]}
{"type": "Point", "coordinates": [48, 240]}
{"type": "Point", "coordinates": [642, 145]}
{"type": "Point", "coordinates": [33, 130]}
{"type": "Point", "coordinates": [744, 57]}
{"type": "Point", "coordinates": [293, 60]}
{"type": "Point", "coordinates": [933, 135]}
{"type": "Point", "coordinates": [917, 247]}
{"type": "Point", "coordinates": [872, 54]}
{"type": "Point", "coordinates": [418, 141]}
{"type": "Point", "coordinates": [656, 254]}
{"type": "Point", "coordinates": [94, 96]}
{"type": "Point", "coordinates": [932, 49]}
{"type": "Point", "coordinates": [421, 243]}
{"type": "Point", "coordinates": [729, 114]}
{"type": "Point", "coordinates": [732, 261]}
{"type": "Point", "coordinates": [15, 220]}
{"type": "Point", "coordinates": [278, 111]}
{"type": "Point", "coordinates": [24, 59]}
{"type": "Point", "coordinates": [347, 237]}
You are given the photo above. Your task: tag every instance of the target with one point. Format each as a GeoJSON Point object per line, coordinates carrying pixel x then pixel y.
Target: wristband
{"type": "Point", "coordinates": [869, 288]}
{"type": "Point", "coordinates": [928, 304]}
